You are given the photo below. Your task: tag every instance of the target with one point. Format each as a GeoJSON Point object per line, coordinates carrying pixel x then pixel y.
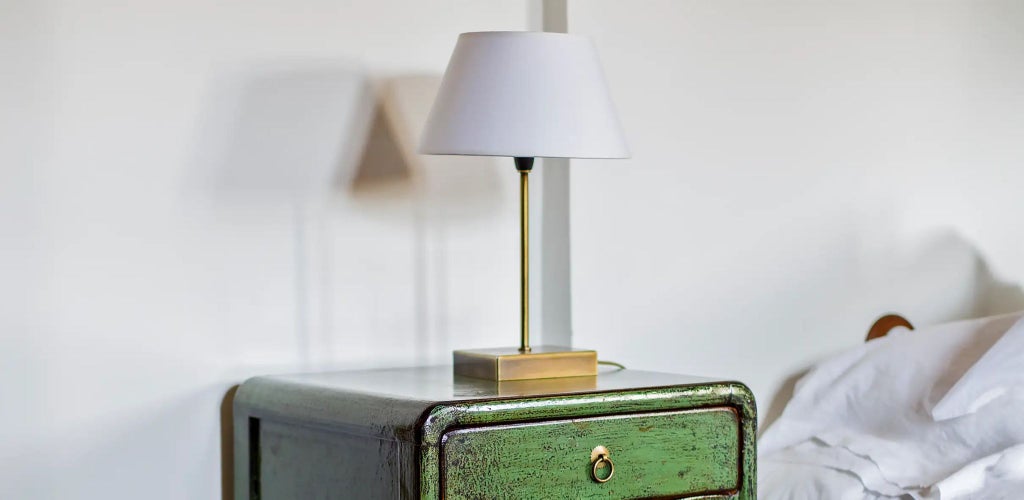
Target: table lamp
{"type": "Point", "coordinates": [524, 95]}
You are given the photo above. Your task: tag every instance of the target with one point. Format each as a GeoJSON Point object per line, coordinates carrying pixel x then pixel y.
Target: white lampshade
{"type": "Point", "coordinates": [524, 94]}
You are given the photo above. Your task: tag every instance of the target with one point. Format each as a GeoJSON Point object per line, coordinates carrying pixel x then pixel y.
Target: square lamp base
{"type": "Point", "coordinates": [507, 363]}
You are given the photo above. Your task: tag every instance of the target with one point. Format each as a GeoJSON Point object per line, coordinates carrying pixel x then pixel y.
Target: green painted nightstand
{"type": "Point", "coordinates": [422, 433]}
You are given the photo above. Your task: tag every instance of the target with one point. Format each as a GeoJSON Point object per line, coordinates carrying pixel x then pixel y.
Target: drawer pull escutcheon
{"type": "Point", "coordinates": [600, 457]}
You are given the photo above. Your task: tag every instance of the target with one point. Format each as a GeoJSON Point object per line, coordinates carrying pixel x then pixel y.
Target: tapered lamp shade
{"type": "Point", "coordinates": [524, 94]}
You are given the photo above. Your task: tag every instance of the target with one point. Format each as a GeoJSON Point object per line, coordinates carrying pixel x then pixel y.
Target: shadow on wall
{"type": "Point", "coordinates": [986, 295]}
{"type": "Point", "coordinates": [328, 142]}
{"type": "Point", "coordinates": [391, 172]}
{"type": "Point", "coordinates": [433, 197]}
{"type": "Point", "coordinates": [388, 169]}
{"type": "Point", "coordinates": [282, 133]}
{"type": "Point", "coordinates": [382, 166]}
{"type": "Point", "coordinates": [307, 134]}
{"type": "Point", "coordinates": [995, 296]}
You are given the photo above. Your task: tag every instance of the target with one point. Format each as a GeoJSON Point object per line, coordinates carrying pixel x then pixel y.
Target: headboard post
{"type": "Point", "coordinates": [885, 324]}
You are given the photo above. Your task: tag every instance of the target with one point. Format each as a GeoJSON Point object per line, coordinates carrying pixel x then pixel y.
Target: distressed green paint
{"type": "Point", "coordinates": [638, 400]}
{"type": "Point", "coordinates": [655, 455]}
{"type": "Point", "coordinates": [411, 411]}
{"type": "Point", "coordinates": [298, 462]}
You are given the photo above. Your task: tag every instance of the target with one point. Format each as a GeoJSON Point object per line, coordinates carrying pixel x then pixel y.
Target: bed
{"type": "Point", "coordinates": [936, 412]}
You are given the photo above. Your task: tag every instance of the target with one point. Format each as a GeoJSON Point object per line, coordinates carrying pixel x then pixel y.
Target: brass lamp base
{"type": "Point", "coordinates": [508, 363]}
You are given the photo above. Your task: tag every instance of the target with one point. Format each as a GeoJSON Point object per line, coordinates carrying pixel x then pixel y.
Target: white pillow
{"type": "Point", "coordinates": [888, 377]}
{"type": "Point", "coordinates": [871, 408]}
{"type": "Point", "coordinates": [999, 371]}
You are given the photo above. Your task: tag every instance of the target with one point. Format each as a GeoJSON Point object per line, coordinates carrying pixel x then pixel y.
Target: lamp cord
{"type": "Point", "coordinates": [611, 363]}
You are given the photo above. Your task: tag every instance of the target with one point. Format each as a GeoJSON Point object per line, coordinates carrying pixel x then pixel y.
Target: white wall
{"type": "Point", "coordinates": [800, 168]}
{"type": "Point", "coordinates": [185, 203]}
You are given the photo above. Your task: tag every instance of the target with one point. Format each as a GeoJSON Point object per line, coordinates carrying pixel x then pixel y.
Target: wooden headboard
{"type": "Point", "coordinates": [885, 324]}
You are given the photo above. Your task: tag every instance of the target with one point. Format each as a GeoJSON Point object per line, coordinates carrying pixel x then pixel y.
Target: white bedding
{"type": "Point", "coordinates": [934, 413]}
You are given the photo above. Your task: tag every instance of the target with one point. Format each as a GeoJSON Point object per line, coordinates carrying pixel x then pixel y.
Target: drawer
{"type": "Point", "coordinates": [655, 455]}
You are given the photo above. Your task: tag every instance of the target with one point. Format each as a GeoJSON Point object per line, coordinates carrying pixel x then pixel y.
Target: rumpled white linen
{"type": "Point", "coordinates": [934, 413]}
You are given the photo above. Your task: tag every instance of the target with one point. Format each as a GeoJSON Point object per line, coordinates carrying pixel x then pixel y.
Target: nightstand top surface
{"type": "Point", "coordinates": [438, 384]}
{"type": "Point", "coordinates": [393, 403]}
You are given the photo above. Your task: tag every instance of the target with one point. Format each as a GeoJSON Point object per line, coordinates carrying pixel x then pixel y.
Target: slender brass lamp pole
{"type": "Point", "coordinates": [524, 165]}
{"type": "Point", "coordinates": [524, 363]}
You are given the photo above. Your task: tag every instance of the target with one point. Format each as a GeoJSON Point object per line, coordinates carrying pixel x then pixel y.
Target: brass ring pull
{"type": "Point", "coordinates": [600, 456]}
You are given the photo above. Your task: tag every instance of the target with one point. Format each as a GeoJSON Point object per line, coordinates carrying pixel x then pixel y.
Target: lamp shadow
{"type": "Point", "coordinates": [382, 165]}
{"type": "Point", "coordinates": [435, 197]}
{"type": "Point", "coordinates": [388, 167]}
{"type": "Point", "coordinates": [390, 173]}
{"type": "Point", "coordinates": [282, 132]}
{"type": "Point", "coordinates": [334, 140]}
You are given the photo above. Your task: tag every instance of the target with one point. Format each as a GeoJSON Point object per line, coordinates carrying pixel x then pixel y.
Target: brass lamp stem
{"type": "Point", "coordinates": [511, 364]}
{"type": "Point", "coordinates": [524, 165]}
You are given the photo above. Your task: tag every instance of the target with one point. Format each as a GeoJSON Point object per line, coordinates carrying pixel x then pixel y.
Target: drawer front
{"type": "Point", "coordinates": [655, 455]}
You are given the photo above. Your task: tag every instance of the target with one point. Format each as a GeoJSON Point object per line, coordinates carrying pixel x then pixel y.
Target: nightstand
{"type": "Point", "coordinates": [422, 433]}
